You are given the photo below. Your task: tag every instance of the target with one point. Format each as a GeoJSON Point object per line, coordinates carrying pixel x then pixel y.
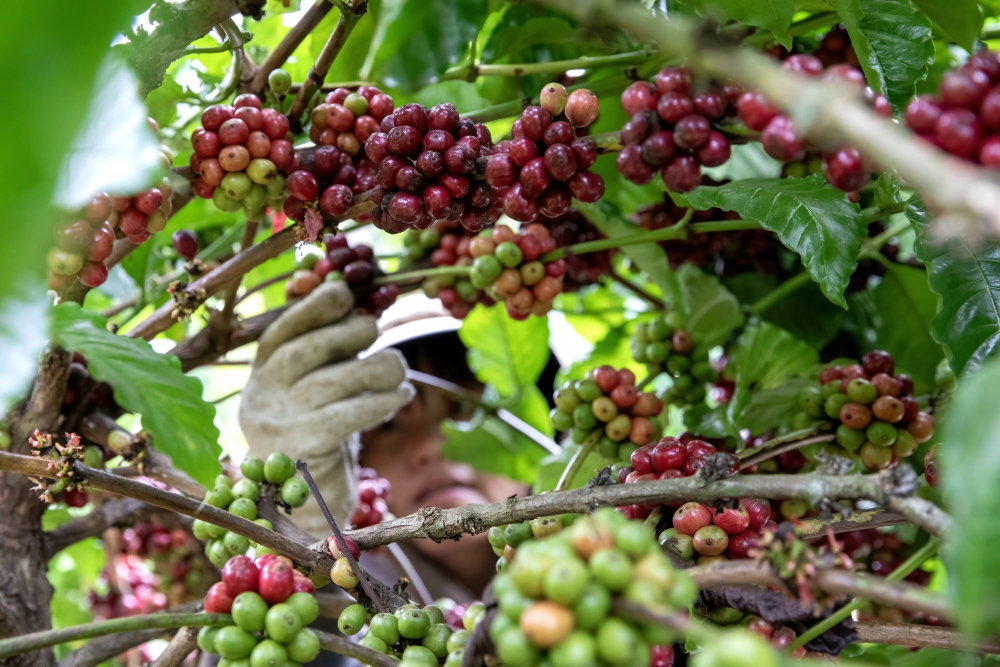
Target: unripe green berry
{"type": "Point", "coordinates": [279, 81]}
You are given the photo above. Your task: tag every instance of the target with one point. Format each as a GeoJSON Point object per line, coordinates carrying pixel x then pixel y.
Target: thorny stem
{"type": "Point", "coordinates": [38, 640]}
{"type": "Point", "coordinates": [471, 71]}
{"type": "Point", "coordinates": [908, 566]}
{"type": "Point", "coordinates": [301, 466]}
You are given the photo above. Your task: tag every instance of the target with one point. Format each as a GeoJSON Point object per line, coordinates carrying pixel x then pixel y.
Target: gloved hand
{"type": "Point", "coordinates": [309, 396]}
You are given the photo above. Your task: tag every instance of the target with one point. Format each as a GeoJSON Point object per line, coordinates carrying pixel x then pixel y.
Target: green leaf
{"type": "Point", "coordinates": [893, 41]}
{"type": "Point", "coordinates": [765, 358]}
{"type": "Point", "coordinates": [961, 19]}
{"type": "Point", "coordinates": [904, 309]}
{"type": "Point", "coordinates": [613, 350]}
{"type": "Point", "coordinates": [773, 15]}
{"type": "Point", "coordinates": [415, 41]}
{"type": "Point", "coordinates": [72, 573]}
{"type": "Point", "coordinates": [152, 384]}
{"type": "Point", "coordinates": [967, 281]}
{"type": "Point", "coordinates": [971, 476]}
{"type": "Point", "coordinates": [804, 313]}
{"type": "Point", "coordinates": [503, 352]}
{"type": "Point", "coordinates": [649, 257]}
{"type": "Point", "coordinates": [520, 27]}
{"type": "Point", "coordinates": [23, 320]}
{"type": "Point", "coordinates": [887, 190]}
{"type": "Point", "coordinates": [747, 161]}
{"type": "Point", "coordinates": [809, 215]}
{"type": "Point", "coordinates": [712, 309]}
{"type": "Point", "coordinates": [770, 408]}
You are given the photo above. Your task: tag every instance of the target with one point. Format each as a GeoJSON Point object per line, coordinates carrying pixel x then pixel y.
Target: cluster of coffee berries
{"type": "Point", "coordinates": [718, 534]}
{"type": "Point", "coordinates": [356, 266]}
{"type": "Point", "coordinates": [780, 636]}
{"type": "Point", "coordinates": [504, 540]}
{"type": "Point", "coordinates": [346, 119]}
{"type": "Point", "coordinates": [544, 165]}
{"type": "Point", "coordinates": [585, 269]}
{"type": "Point", "coordinates": [151, 567]}
{"type": "Point", "coordinates": [878, 417]}
{"type": "Point", "coordinates": [606, 405]}
{"type": "Point", "coordinates": [425, 162]}
{"type": "Point", "coordinates": [417, 636]}
{"type": "Point", "coordinates": [723, 253]}
{"type": "Point", "coordinates": [674, 129]}
{"type": "Point", "coordinates": [373, 492]}
{"type": "Point", "coordinates": [240, 155]}
{"type": "Point", "coordinates": [84, 240]}
{"type": "Point", "coordinates": [556, 596]}
{"type": "Point", "coordinates": [270, 608]}
{"type": "Point", "coordinates": [835, 48]}
{"type": "Point", "coordinates": [663, 344]}
{"type": "Point", "coordinates": [843, 167]}
{"type": "Point", "coordinates": [670, 458]}
{"type": "Point", "coordinates": [457, 295]}
{"type": "Point", "coordinates": [964, 118]}
{"type": "Point", "coordinates": [275, 476]}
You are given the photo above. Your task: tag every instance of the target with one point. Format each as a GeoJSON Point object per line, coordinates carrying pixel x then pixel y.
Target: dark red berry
{"type": "Point", "coordinates": [682, 174]}
{"type": "Point", "coordinates": [406, 207]}
{"type": "Point", "coordinates": [185, 243]}
{"type": "Point", "coordinates": [336, 200]}
{"type": "Point", "coordinates": [534, 122]}
{"type": "Point", "coordinates": [457, 186]}
{"type": "Point", "coordinates": [410, 179]}
{"type": "Point", "coordinates": [559, 132]}
{"type": "Point", "coordinates": [640, 126]}
{"type": "Point", "coordinates": [671, 107]}
{"type": "Point", "coordinates": [959, 132]}
{"type": "Point", "coordinates": [632, 166]}
{"type": "Point", "coordinates": [846, 169]}
{"type": "Point", "coordinates": [430, 163]}
{"type": "Point", "coordinates": [358, 272]}
{"type": "Point", "coordinates": [560, 161]}
{"type": "Point", "coordinates": [715, 151]}
{"type": "Point", "coordinates": [534, 178]}
{"type": "Point", "coordinates": [412, 115]}
{"type": "Point", "coordinates": [519, 206]}
{"type": "Point", "coordinates": [673, 80]}
{"type": "Point", "coordinates": [755, 110]}
{"type": "Point", "coordinates": [438, 140]}
{"type": "Point", "coordinates": [639, 95]}
{"type": "Point", "coordinates": [459, 159]}
{"type": "Point", "coordinates": [781, 141]}
{"type": "Point", "coordinates": [522, 150]}
{"type": "Point", "coordinates": [443, 117]}
{"type": "Point", "coordinates": [922, 114]}
{"type": "Point", "coordinates": [586, 152]}
{"type": "Point", "coordinates": [555, 202]}
{"type": "Point", "coordinates": [501, 170]}
{"type": "Point", "coordinates": [405, 140]}
{"type": "Point", "coordinates": [803, 64]}
{"type": "Point", "coordinates": [586, 186]}
{"type": "Point", "coordinates": [691, 131]}
{"type": "Point", "coordinates": [387, 171]}
{"type": "Point", "coordinates": [658, 149]}
{"type": "Point", "coordinates": [214, 116]}
{"type": "Point", "coordinates": [711, 104]}
{"type": "Point", "coordinates": [964, 87]}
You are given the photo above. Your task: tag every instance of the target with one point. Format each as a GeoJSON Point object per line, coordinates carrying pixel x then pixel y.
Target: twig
{"type": "Point", "coordinates": [240, 264]}
{"type": "Point", "coordinates": [264, 284]}
{"type": "Point", "coordinates": [349, 17]}
{"type": "Point", "coordinates": [774, 442]}
{"type": "Point", "coordinates": [808, 529]}
{"type": "Point", "coordinates": [301, 466]}
{"type": "Point", "coordinates": [342, 646]}
{"type": "Point", "coordinates": [45, 638]}
{"type": "Point", "coordinates": [911, 563]}
{"type": "Point", "coordinates": [104, 648]}
{"type": "Point", "coordinates": [784, 447]}
{"type": "Point", "coordinates": [822, 110]}
{"type": "Point", "coordinates": [924, 636]}
{"type": "Point", "coordinates": [638, 291]}
{"type": "Point", "coordinates": [180, 646]}
{"type": "Point", "coordinates": [286, 47]}
{"type": "Point", "coordinates": [472, 71]}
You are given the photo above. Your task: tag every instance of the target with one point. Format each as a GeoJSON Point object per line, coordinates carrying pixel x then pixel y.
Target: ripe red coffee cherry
{"type": "Point", "coordinates": [922, 114]}
{"type": "Point", "coordinates": [387, 171]}
{"type": "Point", "coordinates": [878, 361]}
{"type": "Point", "coordinates": [101, 245]}
{"type": "Point", "coordinates": [534, 178]}
{"type": "Point", "coordinates": [711, 104]}
{"type": "Point", "coordinates": [586, 152]}
{"type": "Point", "coordinates": [733, 521]}
{"type": "Point", "coordinates": [522, 150]}
{"type": "Point", "coordinates": [964, 87]}
{"type": "Point", "coordinates": [276, 582]}
{"type": "Point", "coordinates": [673, 80]}
{"type": "Point", "coordinates": [758, 510]}
{"type": "Point", "coordinates": [410, 179]}
{"type": "Point", "coordinates": [457, 186]}
{"type": "Point", "coordinates": [803, 64]}
{"type": "Point", "coordinates": [691, 131]}
{"type": "Point", "coordinates": [714, 152]}
{"type": "Point", "coordinates": [185, 243]}
{"type": "Point", "coordinates": [534, 122]}
{"type": "Point", "coordinates": [93, 274]}
{"type": "Point", "coordinates": [443, 117]}
{"type": "Point", "coordinates": [755, 110]}
{"type": "Point", "coordinates": [206, 144]}
{"type": "Point", "coordinates": [501, 170]}
{"type": "Point", "coordinates": [275, 125]}
{"type": "Point", "coordinates": [691, 517]}
{"type": "Point", "coordinates": [658, 149]}
{"type": "Point", "coordinates": [669, 456]}
{"type": "Point", "coordinates": [412, 115]}
{"type": "Point", "coordinates": [989, 152]}
{"type": "Point", "coordinates": [554, 203]}
{"type": "Point", "coordinates": [624, 396]}
{"type": "Point", "coordinates": [405, 206]}
{"type": "Point", "coordinates": [846, 170]}
{"type": "Point", "coordinates": [639, 95]}
{"type": "Point", "coordinates": [682, 174]}
{"type": "Point", "coordinates": [586, 186]}
{"type": "Point", "coordinates": [233, 131]}
{"type": "Point", "coordinates": [214, 116]}
{"type": "Point", "coordinates": [741, 544]}
{"type": "Point", "coordinates": [405, 140]}
{"type": "Point", "coordinates": [438, 140]}
{"type": "Point", "coordinates": [147, 201]}
{"type": "Point", "coordinates": [240, 574]}
{"type": "Point", "coordinates": [671, 107]}
{"type": "Point", "coordinates": [519, 206]}
{"type": "Point", "coordinates": [959, 132]}
{"type": "Point", "coordinates": [560, 162]}
{"type": "Point", "coordinates": [633, 166]}
{"type": "Point", "coordinates": [781, 141]}
{"type": "Point", "coordinates": [606, 378]}
{"type": "Point", "coordinates": [218, 599]}
{"type": "Point", "coordinates": [559, 132]}
{"type": "Point", "coordinates": [247, 100]}
{"type": "Point", "coordinates": [641, 460]}
{"type": "Point", "coordinates": [377, 147]}
{"type": "Point", "coordinates": [459, 159]}
{"type": "Point", "coordinates": [336, 200]}
{"type": "Point", "coordinates": [430, 163]}
{"type": "Point", "coordinates": [258, 145]}
{"type": "Point", "coordinates": [302, 185]}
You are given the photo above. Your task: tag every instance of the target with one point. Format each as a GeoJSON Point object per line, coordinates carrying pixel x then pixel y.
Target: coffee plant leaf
{"type": "Point", "coordinates": [773, 15]}
{"type": "Point", "coordinates": [962, 20]}
{"type": "Point", "coordinates": [144, 381]}
{"type": "Point", "coordinates": [809, 215]}
{"type": "Point", "coordinates": [713, 311]}
{"type": "Point", "coordinates": [894, 44]}
{"type": "Point", "coordinates": [505, 353]}
{"type": "Point", "coordinates": [967, 281]}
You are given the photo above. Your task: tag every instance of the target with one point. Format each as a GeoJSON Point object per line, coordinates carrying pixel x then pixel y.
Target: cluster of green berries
{"type": "Point", "coordinates": [418, 637]}
{"type": "Point", "coordinates": [506, 539]}
{"type": "Point", "coordinates": [664, 344]}
{"type": "Point", "coordinates": [277, 476]}
{"type": "Point", "coordinates": [876, 417]}
{"type": "Point", "coordinates": [555, 597]}
{"type": "Point", "coordinates": [607, 406]}
{"type": "Point", "coordinates": [270, 612]}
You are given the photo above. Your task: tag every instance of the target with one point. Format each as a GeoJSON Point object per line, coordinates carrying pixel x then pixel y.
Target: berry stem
{"type": "Point", "coordinates": [780, 292]}
{"type": "Point", "coordinates": [638, 291]}
{"type": "Point", "coordinates": [573, 467]}
{"type": "Point", "coordinates": [774, 442]}
{"type": "Point", "coordinates": [411, 276]}
{"type": "Point", "coordinates": [301, 466]}
{"type": "Point", "coordinates": [166, 621]}
{"type": "Point", "coordinates": [472, 70]}
{"type": "Point", "coordinates": [874, 244]}
{"type": "Point", "coordinates": [912, 563]}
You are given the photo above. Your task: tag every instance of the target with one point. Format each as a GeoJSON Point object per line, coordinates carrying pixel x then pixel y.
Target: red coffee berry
{"type": "Point", "coordinates": [336, 200]}
{"type": "Point", "coordinates": [554, 203]}
{"type": "Point", "coordinates": [247, 100]}
{"type": "Point", "coordinates": [964, 87]}
{"type": "Point", "coordinates": [276, 582]}
{"type": "Point", "coordinates": [691, 517]}
{"type": "Point", "coordinates": [671, 107]}
{"type": "Point", "coordinates": [560, 162]}
{"type": "Point", "coordinates": [741, 544]}
{"type": "Point", "coordinates": [302, 185]}
{"type": "Point", "coordinates": [758, 510]}
{"type": "Point", "coordinates": [673, 80]}
{"type": "Point", "coordinates": [218, 599]}
{"type": "Point", "coordinates": [668, 455]}
{"type": "Point", "coordinates": [711, 104]}
{"type": "Point", "coordinates": [443, 117]}
{"type": "Point", "coordinates": [214, 116]}
{"type": "Point", "coordinates": [240, 574]}
{"type": "Point", "coordinates": [633, 166]}
{"type": "Point", "coordinates": [534, 121]}
{"type": "Point", "coordinates": [586, 186]}
{"type": "Point", "coordinates": [559, 132]}
{"type": "Point", "coordinates": [457, 185]}
{"type": "Point", "coordinates": [691, 131]}
{"type": "Point", "coordinates": [522, 150]}
{"type": "Point", "coordinates": [410, 179]}
{"type": "Point", "coordinates": [501, 170]}
{"type": "Point", "coordinates": [275, 126]}
{"type": "Point", "coordinates": [411, 115]}
{"type": "Point", "coordinates": [405, 140]}
{"type": "Point", "coordinates": [206, 144]}
{"type": "Point", "coordinates": [803, 64]}
{"type": "Point", "coordinates": [405, 206]}
{"type": "Point", "coordinates": [781, 141]}
{"type": "Point", "coordinates": [519, 206]}
{"type": "Point", "coordinates": [639, 95]}
{"type": "Point", "coordinates": [658, 149]}
{"type": "Point", "coordinates": [922, 114]}
{"type": "Point", "coordinates": [682, 174]}
{"type": "Point", "coordinates": [586, 152]}
{"type": "Point", "coordinates": [755, 110]}
{"type": "Point", "coordinates": [460, 159]}
{"type": "Point", "coordinates": [93, 274]}
{"type": "Point", "coordinates": [233, 131]}
{"type": "Point", "coordinates": [989, 153]}
{"type": "Point", "coordinates": [732, 520]}
{"type": "Point", "coordinates": [959, 132]}
{"type": "Point", "coordinates": [185, 243]}
{"type": "Point", "coordinates": [845, 169]}
{"type": "Point", "coordinates": [714, 152]}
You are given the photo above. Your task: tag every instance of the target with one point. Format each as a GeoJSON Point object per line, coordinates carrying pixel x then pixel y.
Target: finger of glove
{"type": "Point", "coordinates": [379, 372]}
{"type": "Point", "coordinates": [363, 412]}
{"type": "Point", "coordinates": [320, 347]}
{"type": "Point", "coordinates": [323, 306]}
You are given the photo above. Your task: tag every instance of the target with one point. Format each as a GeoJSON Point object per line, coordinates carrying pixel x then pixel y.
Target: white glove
{"type": "Point", "coordinates": [309, 395]}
